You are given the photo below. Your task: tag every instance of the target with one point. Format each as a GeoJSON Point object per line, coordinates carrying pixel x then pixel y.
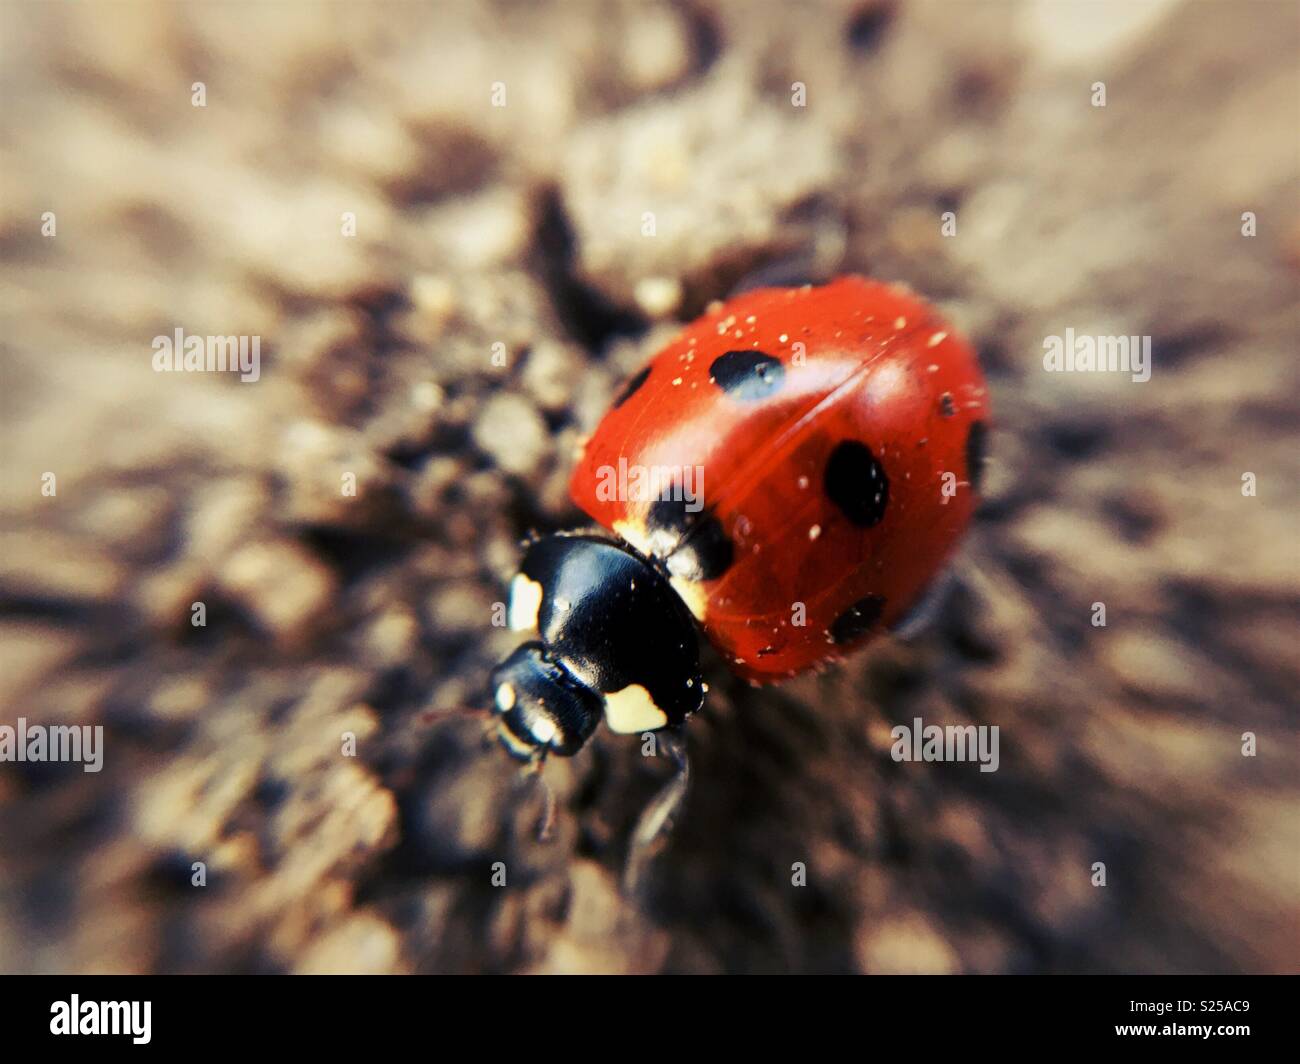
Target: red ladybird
{"type": "Point", "coordinates": [790, 473]}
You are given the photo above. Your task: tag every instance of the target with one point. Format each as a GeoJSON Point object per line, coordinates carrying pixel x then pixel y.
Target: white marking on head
{"type": "Point", "coordinates": [505, 697]}
{"type": "Point", "coordinates": [543, 730]}
{"type": "Point", "coordinates": [525, 601]}
{"type": "Point", "coordinates": [632, 710]}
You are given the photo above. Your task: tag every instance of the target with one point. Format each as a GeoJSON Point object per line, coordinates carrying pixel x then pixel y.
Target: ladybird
{"type": "Point", "coordinates": [788, 476]}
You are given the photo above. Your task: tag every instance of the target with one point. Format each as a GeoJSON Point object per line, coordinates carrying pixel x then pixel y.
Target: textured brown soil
{"type": "Point", "coordinates": [521, 226]}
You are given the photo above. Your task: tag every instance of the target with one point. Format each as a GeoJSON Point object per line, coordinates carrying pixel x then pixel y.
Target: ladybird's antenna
{"type": "Point", "coordinates": [656, 818]}
{"type": "Point", "coordinates": [436, 718]}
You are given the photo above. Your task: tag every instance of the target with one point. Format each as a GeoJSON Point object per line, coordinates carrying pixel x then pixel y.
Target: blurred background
{"type": "Point", "coordinates": [339, 181]}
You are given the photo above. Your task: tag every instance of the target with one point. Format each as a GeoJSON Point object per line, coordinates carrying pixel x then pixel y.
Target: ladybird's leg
{"type": "Point", "coordinates": [546, 822]}
{"type": "Point", "coordinates": [928, 608]}
{"type": "Point", "coordinates": [656, 818]}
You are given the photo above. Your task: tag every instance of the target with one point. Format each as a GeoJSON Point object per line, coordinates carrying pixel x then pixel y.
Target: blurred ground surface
{"type": "Point", "coordinates": [521, 225]}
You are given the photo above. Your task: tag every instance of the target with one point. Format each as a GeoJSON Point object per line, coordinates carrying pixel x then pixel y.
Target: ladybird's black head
{"type": "Point", "coordinates": [542, 708]}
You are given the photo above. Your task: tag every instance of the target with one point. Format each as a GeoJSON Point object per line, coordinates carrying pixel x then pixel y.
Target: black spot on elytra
{"type": "Point", "coordinates": [856, 483]}
{"type": "Point", "coordinates": [976, 445]}
{"type": "Point", "coordinates": [703, 551]}
{"type": "Point", "coordinates": [631, 387]}
{"type": "Point", "coordinates": [747, 375]}
{"type": "Point", "coordinates": [858, 619]}
{"type": "Point", "coordinates": [946, 405]}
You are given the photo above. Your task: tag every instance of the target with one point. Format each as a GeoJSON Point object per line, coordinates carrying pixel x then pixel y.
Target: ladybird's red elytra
{"type": "Point", "coordinates": [840, 430]}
